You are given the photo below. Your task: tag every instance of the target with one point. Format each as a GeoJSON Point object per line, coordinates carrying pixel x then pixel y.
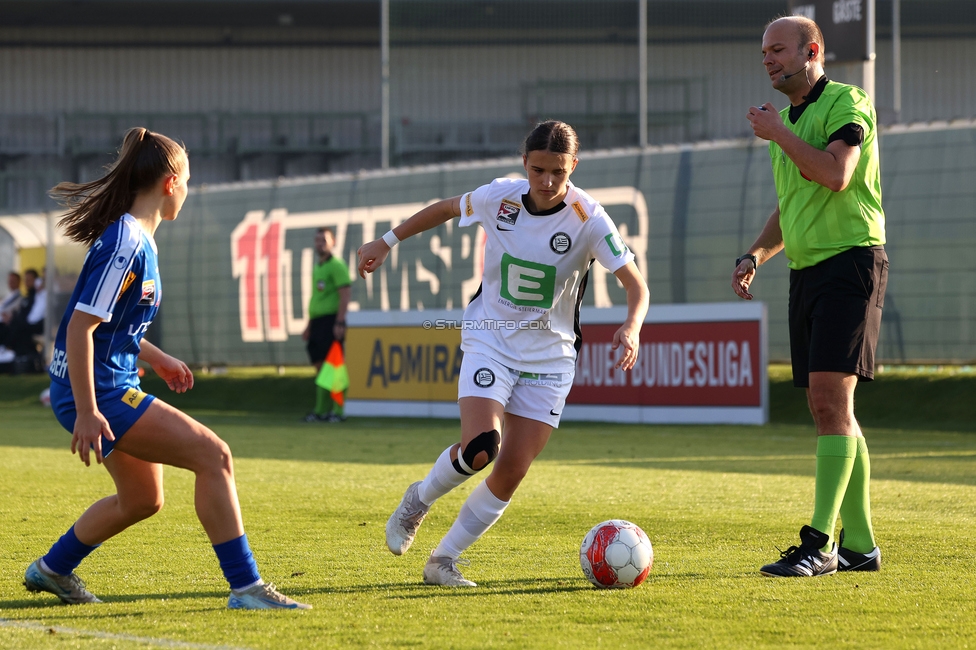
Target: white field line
{"type": "Point", "coordinates": [162, 643]}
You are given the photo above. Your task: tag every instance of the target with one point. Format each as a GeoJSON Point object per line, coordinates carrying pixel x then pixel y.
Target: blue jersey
{"type": "Point", "coordinates": [119, 283]}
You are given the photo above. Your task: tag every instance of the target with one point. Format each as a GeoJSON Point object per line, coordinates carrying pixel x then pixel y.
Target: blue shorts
{"type": "Point", "coordinates": [122, 407]}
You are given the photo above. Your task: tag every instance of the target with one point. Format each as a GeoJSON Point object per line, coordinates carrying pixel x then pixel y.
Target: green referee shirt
{"type": "Point", "coordinates": [327, 278]}
{"type": "Point", "coordinates": [816, 222]}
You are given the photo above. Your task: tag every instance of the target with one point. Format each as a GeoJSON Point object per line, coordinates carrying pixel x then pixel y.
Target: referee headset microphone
{"type": "Point", "coordinates": [805, 66]}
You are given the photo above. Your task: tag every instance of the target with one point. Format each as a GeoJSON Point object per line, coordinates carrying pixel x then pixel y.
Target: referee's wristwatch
{"type": "Point", "coordinates": [747, 256]}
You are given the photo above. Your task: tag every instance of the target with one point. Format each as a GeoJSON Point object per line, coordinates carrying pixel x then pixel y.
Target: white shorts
{"type": "Point", "coordinates": [535, 396]}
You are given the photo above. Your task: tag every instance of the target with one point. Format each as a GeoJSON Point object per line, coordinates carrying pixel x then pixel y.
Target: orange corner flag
{"type": "Point", "coordinates": [334, 377]}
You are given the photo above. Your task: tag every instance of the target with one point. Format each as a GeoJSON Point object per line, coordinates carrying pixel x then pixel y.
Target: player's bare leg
{"type": "Point", "coordinates": [168, 436]}
{"type": "Point", "coordinates": [139, 495]}
{"type": "Point", "coordinates": [524, 441]}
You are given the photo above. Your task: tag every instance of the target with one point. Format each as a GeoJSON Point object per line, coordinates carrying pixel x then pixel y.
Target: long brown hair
{"type": "Point", "coordinates": [145, 157]}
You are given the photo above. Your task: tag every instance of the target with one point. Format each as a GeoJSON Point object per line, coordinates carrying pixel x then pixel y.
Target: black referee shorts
{"type": "Point", "coordinates": [835, 314]}
{"type": "Point", "coordinates": [320, 337]}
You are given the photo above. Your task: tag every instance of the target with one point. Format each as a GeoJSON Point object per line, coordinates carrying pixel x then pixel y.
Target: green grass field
{"type": "Point", "coordinates": [715, 501]}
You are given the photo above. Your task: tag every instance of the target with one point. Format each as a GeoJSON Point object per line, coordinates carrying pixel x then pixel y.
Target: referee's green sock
{"type": "Point", "coordinates": [835, 461]}
{"type": "Point", "coordinates": [323, 401]}
{"type": "Point", "coordinates": [855, 511]}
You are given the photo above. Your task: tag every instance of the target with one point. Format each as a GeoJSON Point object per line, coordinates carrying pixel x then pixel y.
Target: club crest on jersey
{"type": "Point", "coordinates": [484, 378]}
{"type": "Point", "coordinates": [148, 293]}
{"type": "Point", "coordinates": [560, 243]}
{"type": "Point", "coordinates": [508, 212]}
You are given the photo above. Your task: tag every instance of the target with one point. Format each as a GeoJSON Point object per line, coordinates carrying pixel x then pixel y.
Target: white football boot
{"type": "Point", "coordinates": [405, 521]}
{"type": "Point", "coordinates": [444, 571]}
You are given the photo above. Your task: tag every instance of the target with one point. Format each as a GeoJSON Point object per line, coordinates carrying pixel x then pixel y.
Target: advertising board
{"type": "Point", "coordinates": [698, 363]}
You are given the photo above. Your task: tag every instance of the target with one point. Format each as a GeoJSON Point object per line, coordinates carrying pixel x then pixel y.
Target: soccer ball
{"type": "Point", "coordinates": [46, 397]}
{"type": "Point", "coordinates": [616, 554]}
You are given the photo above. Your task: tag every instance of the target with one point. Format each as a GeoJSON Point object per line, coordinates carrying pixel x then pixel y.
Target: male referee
{"type": "Point", "coordinates": [326, 318]}
{"type": "Point", "coordinates": [824, 152]}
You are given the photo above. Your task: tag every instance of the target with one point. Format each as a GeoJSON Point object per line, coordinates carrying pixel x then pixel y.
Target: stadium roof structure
{"type": "Point", "coordinates": [31, 230]}
{"type": "Point", "coordinates": [356, 22]}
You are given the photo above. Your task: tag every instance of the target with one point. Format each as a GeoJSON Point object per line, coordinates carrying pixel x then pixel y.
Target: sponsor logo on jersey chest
{"type": "Point", "coordinates": [527, 284]}
{"type": "Point", "coordinates": [148, 293]}
{"type": "Point", "coordinates": [508, 212]}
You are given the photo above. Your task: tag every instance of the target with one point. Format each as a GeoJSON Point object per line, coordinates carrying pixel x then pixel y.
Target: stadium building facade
{"type": "Point", "coordinates": [265, 89]}
{"type": "Point", "coordinates": [279, 104]}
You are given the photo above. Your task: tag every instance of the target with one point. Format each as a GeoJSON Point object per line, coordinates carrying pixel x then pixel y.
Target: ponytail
{"type": "Point", "coordinates": [145, 157]}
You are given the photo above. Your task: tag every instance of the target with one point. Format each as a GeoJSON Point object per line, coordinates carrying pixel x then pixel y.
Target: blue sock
{"type": "Point", "coordinates": [237, 562]}
{"type": "Point", "coordinates": [67, 553]}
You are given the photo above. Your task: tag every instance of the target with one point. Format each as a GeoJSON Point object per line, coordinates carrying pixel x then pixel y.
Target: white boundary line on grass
{"type": "Point", "coordinates": [164, 643]}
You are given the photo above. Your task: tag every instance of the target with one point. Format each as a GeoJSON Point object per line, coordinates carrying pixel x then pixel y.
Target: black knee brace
{"type": "Point", "coordinates": [487, 442]}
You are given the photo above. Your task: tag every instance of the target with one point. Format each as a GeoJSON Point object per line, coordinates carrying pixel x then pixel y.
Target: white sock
{"type": "Point", "coordinates": [246, 587]}
{"type": "Point", "coordinates": [442, 479]}
{"type": "Point", "coordinates": [478, 514]}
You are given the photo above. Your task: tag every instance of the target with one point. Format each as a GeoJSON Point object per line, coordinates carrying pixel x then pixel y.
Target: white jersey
{"type": "Point", "coordinates": [526, 312]}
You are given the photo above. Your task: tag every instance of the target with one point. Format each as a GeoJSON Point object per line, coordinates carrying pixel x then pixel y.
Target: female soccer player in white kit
{"type": "Point", "coordinates": [542, 234]}
{"type": "Point", "coordinates": [95, 391]}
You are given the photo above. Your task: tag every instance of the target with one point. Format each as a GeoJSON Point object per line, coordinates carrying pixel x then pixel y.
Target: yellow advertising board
{"type": "Point", "coordinates": [403, 363]}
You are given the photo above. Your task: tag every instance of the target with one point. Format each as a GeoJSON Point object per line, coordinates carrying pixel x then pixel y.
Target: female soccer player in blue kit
{"type": "Point", "coordinates": [95, 389]}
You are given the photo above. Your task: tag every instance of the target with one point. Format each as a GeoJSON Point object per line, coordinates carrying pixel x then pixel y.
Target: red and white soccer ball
{"type": "Point", "coordinates": [46, 397]}
{"type": "Point", "coordinates": [616, 554]}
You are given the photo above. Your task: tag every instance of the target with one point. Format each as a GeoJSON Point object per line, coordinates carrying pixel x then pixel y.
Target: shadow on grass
{"type": "Point", "coordinates": [419, 590]}
{"type": "Point", "coordinates": [50, 602]}
{"type": "Point", "coordinates": [393, 590]}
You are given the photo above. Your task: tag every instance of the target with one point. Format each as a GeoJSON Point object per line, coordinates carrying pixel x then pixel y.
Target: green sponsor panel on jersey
{"type": "Point", "coordinates": [617, 246]}
{"type": "Point", "coordinates": [527, 284]}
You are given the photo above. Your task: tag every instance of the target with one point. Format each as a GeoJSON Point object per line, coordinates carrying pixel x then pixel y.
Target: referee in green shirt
{"type": "Point", "coordinates": [326, 318]}
{"type": "Point", "coordinates": [824, 152]}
